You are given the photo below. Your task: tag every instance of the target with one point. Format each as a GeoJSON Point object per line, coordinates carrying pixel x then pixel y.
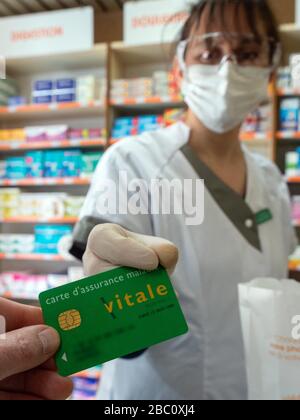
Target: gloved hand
{"type": "Point", "coordinates": [26, 371]}
{"type": "Point", "coordinates": [110, 246]}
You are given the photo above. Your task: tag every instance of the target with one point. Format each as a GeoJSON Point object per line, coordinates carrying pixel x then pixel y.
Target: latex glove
{"type": "Point", "coordinates": [26, 371]}
{"type": "Point", "coordinates": [111, 246]}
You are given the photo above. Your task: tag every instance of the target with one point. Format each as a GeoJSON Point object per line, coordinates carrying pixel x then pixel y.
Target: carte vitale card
{"type": "Point", "coordinates": [111, 315]}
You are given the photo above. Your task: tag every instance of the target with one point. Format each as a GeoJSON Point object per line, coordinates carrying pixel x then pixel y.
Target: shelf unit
{"type": "Point", "coordinates": [293, 180]}
{"type": "Point", "coordinates": [48, 145]}
{"type": "Point", "coordinates": [133, 62]}
{"type": "Point", "coordinates": [77, 115]}
{"type": "Point", "coordinates": [64, 110]}
{"type": "Point", "coordinates": [43, 182]}
{"type": "Point", "coordinates": [33, 257]}
{"type": "Point", "coordinates": [288, 135]}
{"type": "Point", "coordinates": [294, 266]}
{"type": "Point", "coordinates": [285, 141]}
{"type": "Point", "coordinates": [93, 58]}
{"type": "Point", "coordinates": [33, 220]}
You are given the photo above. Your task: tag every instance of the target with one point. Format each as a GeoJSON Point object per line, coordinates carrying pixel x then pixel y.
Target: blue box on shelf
{"type": "Point", "coordinates": [43, 99]}
{"type": "Point", "coordinates": [15, 168]}
{"type": "Point", "coordinates": [66, 84]}
{"type": "Point", "coordinates": [34, 164]}
{"type": "Point", "coordinates": [66, 97]}
{"type": "Point", "coordinates": [43, 85]}
{"type": "Point", "coordinates": [48, 236]}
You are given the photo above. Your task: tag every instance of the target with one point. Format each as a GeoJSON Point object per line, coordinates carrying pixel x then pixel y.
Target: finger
{"type": "Point", "coordinates": [93, 265]}
{"type": "Point", "coordinates": [12, 396]}
{"type": "Point", "coordinates": [17, 316]}
{"type": "Point", "coordinates": [26, 349]}
{"type": "Point", "coordinates": [49, 365]}
{"type": "Point", "coordinates": [40, 383]}
{"type": "Point", "coordinates": [165, 250]}
{"type": "Point", "coordinates": [113, 244]}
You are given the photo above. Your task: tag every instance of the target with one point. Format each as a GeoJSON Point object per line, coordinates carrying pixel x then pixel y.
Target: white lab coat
{"type": "Point", "coordinates": [208, 362]}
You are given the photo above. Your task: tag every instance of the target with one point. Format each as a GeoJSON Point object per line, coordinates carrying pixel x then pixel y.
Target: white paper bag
{"type": "Point", "coordinates": [270, 314]}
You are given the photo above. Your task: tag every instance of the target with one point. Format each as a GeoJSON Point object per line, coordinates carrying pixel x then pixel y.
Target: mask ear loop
{"type": "Point", "coordinates": [277, 57]}
{"type": "Point", "coordinates": [181, 48]}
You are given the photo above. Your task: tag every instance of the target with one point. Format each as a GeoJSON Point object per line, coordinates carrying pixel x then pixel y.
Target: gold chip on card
{"type": "Point", "coordinates": [69, 320]}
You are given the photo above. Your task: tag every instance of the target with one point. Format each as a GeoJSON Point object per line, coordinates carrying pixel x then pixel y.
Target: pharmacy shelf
{"type": "Point", "coordinates": [288, 92]}
{"type": "Point", "coordinates": [34, 257]}
{"type": "Point", "coordinates": [288, 135]}
{"type": "Point", "coordinates": [83, 60]}
{"type": "Point", "coordinates": [40, 182]}
{"type": "Point", "coordinates": [151, 103]}
{"type": "Point", "coordinates": [33, 220]}
{"type": "Point", "coordinates": [35, 112]}
{"type": "Point", "coordinates": [176, 99]}
{"type": "Point", "coordinates": [87, 374]}
{"type": "Point", "coordinates": [285, 141]}
{"type": "Point", "coordinates": [290, 35]}
{"type": "Point", "coordinates": [45, 145]}
{"type": "Point", "coordinates": [293, 180]}
{"type": "Point", "coordinates": [258, 138]}
{"type": "Point", "coordinates": [252, 135]}
{"type": "Point", "coordinates": [294, 265]}
{"type": "Point", "coordinates": [143, 54]}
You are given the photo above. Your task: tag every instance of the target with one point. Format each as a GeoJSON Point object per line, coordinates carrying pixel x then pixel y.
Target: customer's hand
{"type": "Point", "coordinates": [110, 246]}
{"type": "Point", "coordinates": [26, 371]}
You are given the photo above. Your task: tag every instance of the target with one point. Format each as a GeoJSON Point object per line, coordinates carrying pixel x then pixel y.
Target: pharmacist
{"type": "Point", "coordinates": [26, 347]}
{"type": "Point", "coordinates": [226, 56]}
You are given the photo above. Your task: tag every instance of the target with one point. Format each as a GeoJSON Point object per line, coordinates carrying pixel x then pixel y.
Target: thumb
{"type": "Point", "coordinates": [27, 348]}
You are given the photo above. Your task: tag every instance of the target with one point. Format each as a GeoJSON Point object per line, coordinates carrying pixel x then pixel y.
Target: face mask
{"type": "Point", "coordinates": [222, 96]}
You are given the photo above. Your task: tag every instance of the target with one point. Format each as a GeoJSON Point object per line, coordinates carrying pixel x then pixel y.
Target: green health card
{"type": "Point", "coordinates": [111, 315]}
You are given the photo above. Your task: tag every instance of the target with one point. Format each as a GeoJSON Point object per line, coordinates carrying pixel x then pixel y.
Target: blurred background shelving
{"type": "Point", "coordinates": [144, 70]}
{"type": "Point", "coordinates": [286, 128]}
{"type": "Point", "coordinates": [22, 217]}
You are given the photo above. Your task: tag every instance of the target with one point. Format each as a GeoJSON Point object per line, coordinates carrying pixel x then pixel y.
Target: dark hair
{"type": "Point", "coordinates": [253, 8]}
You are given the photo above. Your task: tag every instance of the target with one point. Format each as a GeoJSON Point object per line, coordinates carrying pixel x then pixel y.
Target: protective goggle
{"type": "Point", "coordinates": [216, 48]}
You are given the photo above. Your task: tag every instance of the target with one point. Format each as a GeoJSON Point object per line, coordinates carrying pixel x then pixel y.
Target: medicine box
{"type": "Point", "coordinates": [290, 114]}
